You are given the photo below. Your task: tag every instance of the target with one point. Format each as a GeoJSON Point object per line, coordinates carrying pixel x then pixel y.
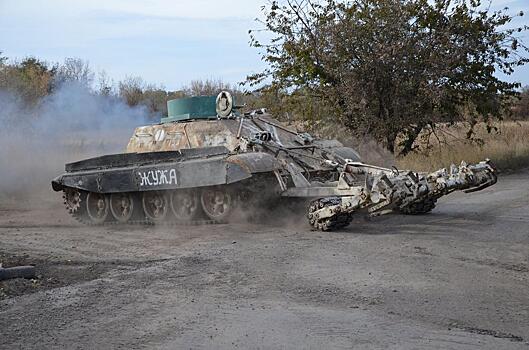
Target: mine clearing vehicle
{"type": "Point", "coordinates": [206, 161]}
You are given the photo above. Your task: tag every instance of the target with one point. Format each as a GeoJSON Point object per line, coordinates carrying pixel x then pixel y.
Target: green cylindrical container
{"type": "Point", "coordinates": [198, 107]}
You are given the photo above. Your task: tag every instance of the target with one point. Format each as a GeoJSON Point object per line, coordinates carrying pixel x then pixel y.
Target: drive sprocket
{"type": "Point", "coordinates": [74, 200]}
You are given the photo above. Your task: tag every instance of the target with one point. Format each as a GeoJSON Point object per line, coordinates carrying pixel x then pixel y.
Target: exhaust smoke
{"type": "Point", "coordinates": [67, 125]}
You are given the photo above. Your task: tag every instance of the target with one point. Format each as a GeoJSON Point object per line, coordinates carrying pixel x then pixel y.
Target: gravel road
{"type": "Point", "coordinates": [457, 278]}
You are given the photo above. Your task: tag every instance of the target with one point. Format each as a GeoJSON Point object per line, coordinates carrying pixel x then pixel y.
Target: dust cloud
{"type": "Point", "coordinates": [70, 124]}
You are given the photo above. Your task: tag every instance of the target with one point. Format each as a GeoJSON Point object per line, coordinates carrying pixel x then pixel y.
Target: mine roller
{"type": "Point", "coordinates": [207, 160]}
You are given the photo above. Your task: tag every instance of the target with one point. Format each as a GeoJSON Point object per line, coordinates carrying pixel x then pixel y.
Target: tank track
{"type": "Point", "coordinates": [419, 208]}
{"type": "Point", "coordinates": [79, 213]}
{"type": "Point", "coordinates": [147, 222]}
{"type": "Point", "coordinates": [335, 222]}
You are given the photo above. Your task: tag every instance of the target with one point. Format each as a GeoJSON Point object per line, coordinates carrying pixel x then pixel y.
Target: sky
{"type": "Point", "coordinates": [164, 42]}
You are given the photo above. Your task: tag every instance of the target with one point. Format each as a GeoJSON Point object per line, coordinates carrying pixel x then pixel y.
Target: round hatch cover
{"type": "Point", "coordinates": [224, 104]}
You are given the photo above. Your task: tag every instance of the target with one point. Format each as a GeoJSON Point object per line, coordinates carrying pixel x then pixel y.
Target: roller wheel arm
{"type": "Point", "coordinates": [407, 192]}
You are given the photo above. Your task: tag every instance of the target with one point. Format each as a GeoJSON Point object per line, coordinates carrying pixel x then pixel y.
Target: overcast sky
{"type": "Point", "coordinates": [165, 42]}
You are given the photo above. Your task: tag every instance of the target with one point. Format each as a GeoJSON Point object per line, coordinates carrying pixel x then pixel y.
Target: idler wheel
{"type": "Point", "coordinates": [185, 205]}
{"type": "Point", "coordinates": [97, 207]}
{"type": "Point", "coordinates": [218, 203]}
{"type": "Point", "coordinates": [155, 205]}
{"type": "Point", "coordinates": [122, 206]}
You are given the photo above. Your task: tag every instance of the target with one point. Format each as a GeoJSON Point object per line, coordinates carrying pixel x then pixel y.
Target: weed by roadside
{"type": "Point", "coordinates": [507, 147]}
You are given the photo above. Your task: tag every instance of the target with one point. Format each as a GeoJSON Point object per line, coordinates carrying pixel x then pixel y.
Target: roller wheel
{"type": "Point", "coordinates": [155, 205]}
{"type": "Point", "coordinates": [122, 206]}
{"type": "Point", "coordinates": [97, 207]}
{"type": "Point", "coordinates": [419, 208]}
{"type": "Point", "coordinates": [185, 205]}
{"type": "Point", "coordinates": [336, 222]}
{"type": "Point", "coordinates": [218, 203]}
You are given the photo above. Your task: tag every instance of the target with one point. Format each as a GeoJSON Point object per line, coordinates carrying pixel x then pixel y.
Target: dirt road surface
{"type": "Point", "coordinates": [457, 278]}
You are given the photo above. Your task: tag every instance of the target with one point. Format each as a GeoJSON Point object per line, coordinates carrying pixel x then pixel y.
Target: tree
{"type": "Point", "coordinates": [75, 70]}
{"type": "Point", "coordinates": [521, 106]}
{"type": "Point", "coordinates": [31, 79]}
{"type": "Point", "coordinates": [3, 70]}
{"type": "Point", "coordinates": [391, 68]}
{"type": "Point", "coordinates": [104, 84]}
{"type": "Point", "coordinates": [135, 91]}
{"type": "Point", "coordinates": [131, 90]}
{"type": "Point", "coordinates": [207, 87]}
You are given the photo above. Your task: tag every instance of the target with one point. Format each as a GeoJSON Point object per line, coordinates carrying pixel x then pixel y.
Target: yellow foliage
{"type": "Point", "coordinates": [508, 148]}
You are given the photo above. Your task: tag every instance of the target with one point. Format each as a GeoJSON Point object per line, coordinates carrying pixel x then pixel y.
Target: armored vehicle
{"type": "Point", "coordinates": [206, 160]}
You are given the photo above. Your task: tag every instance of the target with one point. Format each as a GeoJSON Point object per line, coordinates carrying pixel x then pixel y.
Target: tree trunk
{"type": "Point", "coordinates": [411, 136]}
{"type": "Point", "coordinates": [390, 143]}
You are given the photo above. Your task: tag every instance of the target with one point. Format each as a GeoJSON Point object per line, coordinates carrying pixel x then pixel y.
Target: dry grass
{"type": "Point", "coordinates": [508, 148]}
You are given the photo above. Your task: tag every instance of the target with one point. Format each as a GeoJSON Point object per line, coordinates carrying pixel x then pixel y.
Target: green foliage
{"type": "Point", "coordinates": [31, 79]}
{"type": "Point", "coordinates": [521, 106]}
{"type": "Point", "coordinates": [391, 68]}
{"type": "Point", "coordinates": [520, 110]}
{"type": "Point", "coordinates": [297, 107]}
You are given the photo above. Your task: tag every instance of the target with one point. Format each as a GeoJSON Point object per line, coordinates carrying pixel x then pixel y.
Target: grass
{"type": "Point", "coordinates": [507, 147]}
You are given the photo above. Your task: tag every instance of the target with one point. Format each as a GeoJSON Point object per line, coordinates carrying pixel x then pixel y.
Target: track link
{"type": "Point", "coordinates": [336, 222]}
{"type": "Point", "coordinates": [419, 208]}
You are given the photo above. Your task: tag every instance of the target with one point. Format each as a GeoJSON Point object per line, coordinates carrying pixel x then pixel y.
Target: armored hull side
{"type": "Point", "coordinates": [170, 170]}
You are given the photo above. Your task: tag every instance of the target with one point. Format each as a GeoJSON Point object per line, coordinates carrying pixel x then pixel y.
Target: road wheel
{"type": "Point", "coordinates": [97, 207]}
{"type": "Point", "coordinates": [218, 203]}
{"type": "Point", "coordinates": [419, 208]}
{"type": "Point", "coordinates": [122, 206]}
{"type": "Point", "coordinates": [155, 205]}
{"type": "Point", "coordinates": [185, 205]}
{"type": "Point", "coordinates": [335, 222]}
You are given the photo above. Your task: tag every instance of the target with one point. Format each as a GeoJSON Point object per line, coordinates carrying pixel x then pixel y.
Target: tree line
{"type": "Point", "coordinates": [31, 79]}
